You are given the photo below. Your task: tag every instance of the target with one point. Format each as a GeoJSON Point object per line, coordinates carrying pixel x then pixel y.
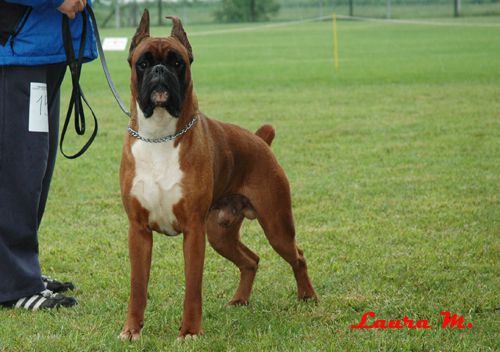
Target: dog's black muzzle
{"type": "Point", "coordinates": [160, 88]}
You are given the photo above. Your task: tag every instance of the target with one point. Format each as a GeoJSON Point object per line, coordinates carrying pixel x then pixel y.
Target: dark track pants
{"type": "Point", "coordinates": [26, 165]}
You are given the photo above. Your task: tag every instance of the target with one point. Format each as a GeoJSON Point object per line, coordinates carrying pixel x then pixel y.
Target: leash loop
{"type": "Point", "coordinates": [77, 96]}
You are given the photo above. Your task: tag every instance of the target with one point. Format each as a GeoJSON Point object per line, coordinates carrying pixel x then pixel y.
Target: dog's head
{"type": "Point", "coordinates": [161, 68]}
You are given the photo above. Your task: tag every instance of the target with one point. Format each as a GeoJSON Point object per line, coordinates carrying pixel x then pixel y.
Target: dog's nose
{"type": "Point", "coordinates": [159, 69]}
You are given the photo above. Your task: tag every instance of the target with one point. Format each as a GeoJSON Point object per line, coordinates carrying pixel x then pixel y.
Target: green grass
{"type": "Point", "coordinates": [394, 164]}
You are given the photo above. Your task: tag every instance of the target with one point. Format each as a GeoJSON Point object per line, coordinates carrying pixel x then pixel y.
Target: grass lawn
{"type": "Point", "coordinates": [394, 164]}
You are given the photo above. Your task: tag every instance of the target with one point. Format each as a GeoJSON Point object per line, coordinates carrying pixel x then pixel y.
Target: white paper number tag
{"type": "Point", "coordinates": [39, 114]}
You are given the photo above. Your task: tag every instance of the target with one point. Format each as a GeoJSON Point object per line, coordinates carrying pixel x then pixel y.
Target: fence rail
{"type": "Point", "coordinates": [120, 13]}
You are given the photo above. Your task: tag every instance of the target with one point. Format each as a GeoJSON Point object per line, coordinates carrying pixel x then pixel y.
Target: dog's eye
{"type": "Point", "coordinates": [178, 63]}
{"type": "Point", "coordinates": [143, 65]}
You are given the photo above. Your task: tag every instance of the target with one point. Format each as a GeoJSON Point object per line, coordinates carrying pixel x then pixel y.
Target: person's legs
{"type": "Point", "coordinates": [55, 75]}
{"type": "Point", "coordinates": [26, 165]}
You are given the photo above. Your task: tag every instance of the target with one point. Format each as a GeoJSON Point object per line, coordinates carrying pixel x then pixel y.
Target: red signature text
{"type": "Point", "coordinates": [368, 321]}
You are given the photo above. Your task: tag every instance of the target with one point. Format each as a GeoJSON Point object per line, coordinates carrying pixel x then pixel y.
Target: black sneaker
{"type": "Point", "coordinates": [43, 300]}
{"type": "Point", "coordinates": [57, 286]}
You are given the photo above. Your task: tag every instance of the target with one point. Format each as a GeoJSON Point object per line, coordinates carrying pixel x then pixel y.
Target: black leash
{"type": "Point", "coordinates": [77, 96]}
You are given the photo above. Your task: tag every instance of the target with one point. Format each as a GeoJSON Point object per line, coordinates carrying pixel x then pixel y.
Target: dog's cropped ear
{"type": "Point", "coordinates": [141, 33]}
{"type": "Point", "coordinates": [179, 33]}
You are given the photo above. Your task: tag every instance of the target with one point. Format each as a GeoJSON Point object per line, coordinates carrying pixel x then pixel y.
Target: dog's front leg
{"type": "Point", "coordinates": [194, 256]}
{"type": "Point", "coordinates": [140, 243]}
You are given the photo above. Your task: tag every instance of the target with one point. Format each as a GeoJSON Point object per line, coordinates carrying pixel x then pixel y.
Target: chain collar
{"type": "Point", "coordinates": [171, 137]}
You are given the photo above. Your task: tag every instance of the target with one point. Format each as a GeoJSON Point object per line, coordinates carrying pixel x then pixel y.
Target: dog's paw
{"type": "Point", "coordinates": [129, 335]}
{"type": "Point", "coordinates": [239, 302]}
{"type": "Point", "coordinates": [188, 337]}
{"type": "Point", "coordinates": [187, 334]}
{"type": "Point", "coordinates": [309, 298]}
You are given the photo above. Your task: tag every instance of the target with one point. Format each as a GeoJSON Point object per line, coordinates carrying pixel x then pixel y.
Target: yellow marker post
{"type": "Point", "coordinates": [335, 42]}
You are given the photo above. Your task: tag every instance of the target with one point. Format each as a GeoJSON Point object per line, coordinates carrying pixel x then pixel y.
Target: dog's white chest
{"type": "Point", "coordinates": [157, 182]}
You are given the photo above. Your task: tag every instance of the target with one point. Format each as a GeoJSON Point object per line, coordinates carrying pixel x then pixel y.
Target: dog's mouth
{"type": "Point", "coordinates": [159, 97]}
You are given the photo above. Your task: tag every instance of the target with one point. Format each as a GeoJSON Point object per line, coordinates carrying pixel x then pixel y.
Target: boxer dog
{"type": "Point", "coordinates": [182, 172]}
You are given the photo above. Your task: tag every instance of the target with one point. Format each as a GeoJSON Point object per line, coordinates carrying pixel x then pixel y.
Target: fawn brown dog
{"type": "Point", "coordinates": [182, 172]}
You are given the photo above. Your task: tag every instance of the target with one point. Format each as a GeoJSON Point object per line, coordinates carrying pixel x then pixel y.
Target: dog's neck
{"type": "Point", "coordinates": [160, 124]}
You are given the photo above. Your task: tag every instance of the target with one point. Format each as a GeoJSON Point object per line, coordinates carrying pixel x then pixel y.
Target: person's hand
{"type": "Point", "coordinates": [71, 7]}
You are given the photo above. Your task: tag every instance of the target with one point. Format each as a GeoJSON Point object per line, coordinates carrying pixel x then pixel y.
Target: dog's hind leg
{"type": "Point", "coordinates": [280, 232]}
{"type": "Point", "coordinates": [226, 242]}
{"type": "Point", "coordinates": [274, 212]}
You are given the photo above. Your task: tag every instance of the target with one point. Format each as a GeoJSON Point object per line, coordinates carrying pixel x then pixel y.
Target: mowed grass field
{"type": "Point", "coordinates": [394, 165]}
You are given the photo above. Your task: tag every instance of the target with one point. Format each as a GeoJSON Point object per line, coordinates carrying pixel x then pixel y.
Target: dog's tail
{"type": "Point", "coordinates": [266, 132]}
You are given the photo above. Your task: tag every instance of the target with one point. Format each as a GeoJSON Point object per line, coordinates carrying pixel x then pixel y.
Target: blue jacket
{"type": "Point", "coordinates": [40, 40]}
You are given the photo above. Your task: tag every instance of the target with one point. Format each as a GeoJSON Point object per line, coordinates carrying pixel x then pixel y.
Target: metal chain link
{"type": "Point", "coordinates": [171, 137]}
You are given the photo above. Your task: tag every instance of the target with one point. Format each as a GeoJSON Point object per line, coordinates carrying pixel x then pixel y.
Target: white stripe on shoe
{"type": "Point", "coordinates": [20, 302]}
{"type": "Point", "coordinates": [39, 303]}
{"type": "Point", "coordinates": [34, 302]}
{"type": "Point", "coordinates": [31, 300]}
